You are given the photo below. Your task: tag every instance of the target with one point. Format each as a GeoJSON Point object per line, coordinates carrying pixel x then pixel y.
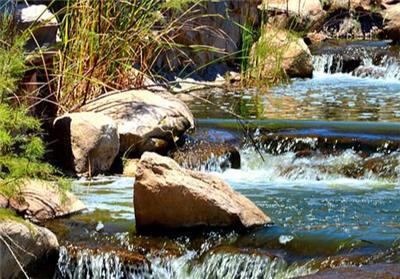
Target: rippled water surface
{"type": "Point", "coordinates": [330, 95]}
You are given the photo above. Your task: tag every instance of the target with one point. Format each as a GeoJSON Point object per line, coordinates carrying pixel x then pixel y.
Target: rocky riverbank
{"type": "Point", "coordinates": [114, 132]}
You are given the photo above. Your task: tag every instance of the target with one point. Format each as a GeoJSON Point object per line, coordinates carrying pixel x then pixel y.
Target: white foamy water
{"type": "Point", "coordinates": [317, 171]}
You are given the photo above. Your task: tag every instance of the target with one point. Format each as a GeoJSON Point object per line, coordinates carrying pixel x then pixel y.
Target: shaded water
{"type": "Point", "coordinates": [332, 189]}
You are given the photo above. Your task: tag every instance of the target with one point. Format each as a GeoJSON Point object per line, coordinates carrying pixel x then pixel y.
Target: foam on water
{"type": "Point", "coordinates": [331, 66]}
{"type": "Point", "coordinates": [188, 266]}
{"type": "Point", "coordinates": [317, 171]}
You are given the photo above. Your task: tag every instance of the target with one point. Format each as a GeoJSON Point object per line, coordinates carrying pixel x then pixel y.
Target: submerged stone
{"type": "Point", "coordinates": [387, 271]}
{"type": "Point", "coordinates": [207, 155]}
{"type": "Point", "coordinates": [167, 196]}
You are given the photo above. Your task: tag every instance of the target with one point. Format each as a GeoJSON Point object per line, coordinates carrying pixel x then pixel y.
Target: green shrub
{"type": "Point", "coordinates": [21, 148]}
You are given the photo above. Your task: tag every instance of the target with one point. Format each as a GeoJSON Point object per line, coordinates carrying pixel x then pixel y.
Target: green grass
{"type": "Point", "coordinates": [266, 58]}
{"type": "Point", "coordinates": [9, 215]}
{"type": "Point", "coordinates": [106, 43]}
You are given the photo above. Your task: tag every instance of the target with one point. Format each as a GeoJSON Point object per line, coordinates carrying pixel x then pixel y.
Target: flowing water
{"type": "Point", "coordinates": [318, 163]}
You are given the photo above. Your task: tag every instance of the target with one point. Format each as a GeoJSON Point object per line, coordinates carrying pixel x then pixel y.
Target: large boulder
{"type": "Point", "coordinates": [278, 50]}
{"type": "Point", "coordinates": [86, 142]}
{"type": "Point", "coordinates": [35, 248]}
{"type": "Point", "coordinates": [219, 34]}
{"type": "Point", "coordinates": [391, 29]}
{"type": "Point", "coordinates": [167, 196]}
{"type": "Point", "coordinates": [292, 13]}
{"type": "Point", "coordinates": [350, 19]}
{"type": "Point", "coordinates": [146, 121]}
{"type": "Point", "coordinates": [39, 201]}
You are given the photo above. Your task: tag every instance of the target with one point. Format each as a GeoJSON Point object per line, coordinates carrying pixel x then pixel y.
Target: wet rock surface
{"type": "Point", "coordinates": [167, 196]}
{"type": "Point", "coordinates": [146, 121]}
{"type": "Point", "coordinates": [85, 142]}
{"type": "Point", "coordinates": [36, 248]}
{"type": "Point", "coordinates": [207, 155]}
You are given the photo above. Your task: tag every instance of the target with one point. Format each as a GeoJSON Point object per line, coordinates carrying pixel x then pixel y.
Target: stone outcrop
{"type": "Point", "coordinates": [391, 29]}
{"type": "Point", "coordinates": [146, 121]}
{"type": "Point", "coordinates": [221, 31]}
{"type": "Point", "coordinates": [40, 201]}
{"type": "Point", "coordinates": [167, 196]}
{"type": "Point", "coordinates": [277, 49]}
{"type": "Point", "coordinates": [36, 248]}
{"type": "Point", "coordinates": [298, 14]}
{"type": "Point", "coordinates": [86, 142]}
{"type": "Point", "coordinates": [45, 23]}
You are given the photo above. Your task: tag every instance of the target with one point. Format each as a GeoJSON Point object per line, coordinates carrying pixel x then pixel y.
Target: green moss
{"type": "Point", "coordinates": [6, 214]}
{"type": "Point", "coordinates": [9, 215]}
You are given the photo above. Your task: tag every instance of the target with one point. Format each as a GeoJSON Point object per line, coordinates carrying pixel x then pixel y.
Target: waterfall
{"type": "Point", "coordinates": [362, 63]}
{"type": "Point", "coordinates": [86, 264]}
{"type": "Point", "coordinates": [327, 63]}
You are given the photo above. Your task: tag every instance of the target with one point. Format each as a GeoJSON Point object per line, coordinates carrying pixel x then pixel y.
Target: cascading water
{"type": "Point", "coordinates": [191, 264]}
{"type": "Point", "coordinates": [333, 193]}
{"type": "Point", "coordinates": [358, 61]}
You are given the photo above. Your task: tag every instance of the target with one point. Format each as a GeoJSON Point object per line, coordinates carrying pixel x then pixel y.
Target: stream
{"type": "Point", "coordinates": [320, 156]}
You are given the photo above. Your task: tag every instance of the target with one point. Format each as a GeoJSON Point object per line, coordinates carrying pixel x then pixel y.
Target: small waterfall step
{"type": "Point", "coordinates": [362, 59]}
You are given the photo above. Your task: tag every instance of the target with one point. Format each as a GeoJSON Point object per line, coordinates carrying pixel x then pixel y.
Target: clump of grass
{"type": "Point", "coordinates": [265, 58]}
{"type": "Point", "coordinates": [7, 214]}
{"type": "Point", "coordinates": [106, 43]}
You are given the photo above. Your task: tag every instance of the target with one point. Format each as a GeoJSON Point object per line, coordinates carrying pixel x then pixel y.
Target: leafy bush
{"type": "Point", "coordinates": [21, 149]}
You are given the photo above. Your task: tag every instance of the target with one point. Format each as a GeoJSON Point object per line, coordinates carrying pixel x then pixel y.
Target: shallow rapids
{"type": "Point", "coordinates": [322, 160]}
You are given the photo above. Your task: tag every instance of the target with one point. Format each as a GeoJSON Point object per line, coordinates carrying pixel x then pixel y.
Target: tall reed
{"type": "Point", "coordinates": [109, 45]}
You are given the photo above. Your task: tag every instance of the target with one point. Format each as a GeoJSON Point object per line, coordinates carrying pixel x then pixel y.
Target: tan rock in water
{"type": "Point", "coordinates": [168, 196]}
{"type": "Point", "coordinates": [40, 200]}
{"type": "Point", "coordinates": [146, 121]}
{"type": "Point", "coordinates": [29, 243]}
{"type": "Point", "coordinates": [87, 142]}
{"type": "Point", "coordinates": [278, 50]}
